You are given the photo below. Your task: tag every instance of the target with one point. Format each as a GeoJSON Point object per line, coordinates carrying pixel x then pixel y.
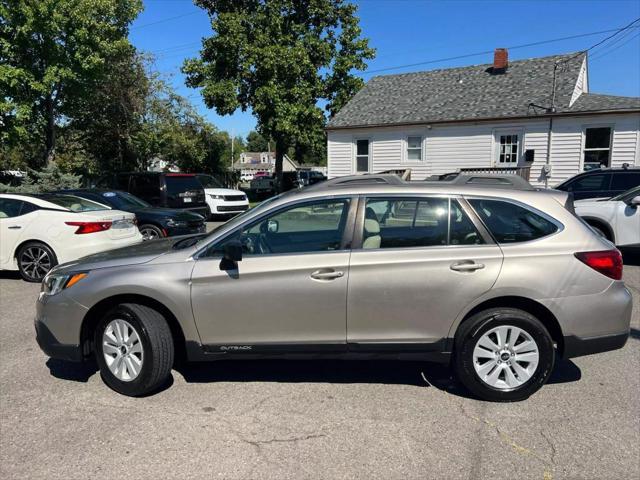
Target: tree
{"type": "Point", "coordinates": [256, 142]}
{"type": "Point", "coordinates": [48, 179]}
{"type": "Point", "coordinates": [52, 55]}
{"type": "Point", "coordinates": [280, 58]}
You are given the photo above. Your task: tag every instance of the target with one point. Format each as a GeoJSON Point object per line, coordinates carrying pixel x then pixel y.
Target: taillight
{"type": "Point", "coordinates": [607, 262]}
{"type": "Point", "coordinates": [89, 227]}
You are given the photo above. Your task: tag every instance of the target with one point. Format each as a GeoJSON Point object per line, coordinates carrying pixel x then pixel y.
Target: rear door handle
{"type": "Point", "coordinates": [15, 227]}
{"type": "Point", "coordinates": [326, 274]}
{"type": "Point", "coordinates": [466, 266]}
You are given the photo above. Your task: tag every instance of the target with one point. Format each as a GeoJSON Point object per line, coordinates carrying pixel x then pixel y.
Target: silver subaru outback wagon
{"type": "Point", "coordinates": [497, 282]}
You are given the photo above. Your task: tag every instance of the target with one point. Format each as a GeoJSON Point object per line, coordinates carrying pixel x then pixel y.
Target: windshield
{"type": "Point", "coordinates": [628, 194]}
{"type": "Point", "coordinates": [181, 184]}
{"type": "Point", "coordinates": [209, 181]}
{"type": "Point", "coordinates": [124, 201]}
{"type": "Point", "coordinates": [73, 203]}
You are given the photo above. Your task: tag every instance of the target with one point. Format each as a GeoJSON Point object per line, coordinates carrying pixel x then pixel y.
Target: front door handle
{"type": "Point", "coordinates": [466, 266]}
{"type": "Point", "coordinates": [15, 227]}
{"type": "Point", "coordinates": [326, 274]}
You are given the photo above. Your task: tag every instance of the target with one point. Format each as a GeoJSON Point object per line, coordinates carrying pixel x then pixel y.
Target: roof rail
{"type": "Point", "coordinates": [509, 181]}
{"type": "Point", "coordinates": [366, 179]}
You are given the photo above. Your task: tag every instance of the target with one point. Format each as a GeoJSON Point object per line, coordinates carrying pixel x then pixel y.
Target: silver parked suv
{"type": "Point", "coordinates": [498, 281]}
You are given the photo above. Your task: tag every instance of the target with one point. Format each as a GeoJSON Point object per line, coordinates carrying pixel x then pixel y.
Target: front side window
{"type": "Point", "coordinates": [362, 156]}
{"type": "Point", "coordinates": [419, 222]}
{"type": "Point", "coordinates": [308, 227]}
{"type": "Point", "coordinates": [625, 180]}
{"type": "Point", "coordinates": [597, 147]}
{"type": "Point", "coordinates": [511, 223]}
{"type": "Point", "coordinates": [414, 148]}
{"type": "Point", "coordinates": [508, 148]}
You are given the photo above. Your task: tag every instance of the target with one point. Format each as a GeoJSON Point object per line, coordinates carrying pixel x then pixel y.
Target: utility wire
{"type": "Point", "coordinates": [602, 54]}
{"type": "Point", "coordinates": [164, 20]}
{"type": "Point", "coordinates": [485, 52]}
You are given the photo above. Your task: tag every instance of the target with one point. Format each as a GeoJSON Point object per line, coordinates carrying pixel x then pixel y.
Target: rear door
{"type": "Point", "coordinates": [417, 262]}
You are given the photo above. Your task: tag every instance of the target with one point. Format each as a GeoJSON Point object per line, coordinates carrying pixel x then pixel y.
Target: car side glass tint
{"type": "Point", "coordinates": [462, 231]}
{"type": "Point", "coordinates": [625, 181]}
{"type": "Point", "coordinates": [10, 207]}
{"type": "Point", "coordinates": [511, 223]}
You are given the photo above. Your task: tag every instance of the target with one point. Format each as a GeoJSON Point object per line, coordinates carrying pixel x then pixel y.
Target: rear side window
{"type": "Point", "coordinates": [590, 183]}
{"type": "Point", "coordinates": [419, 222]}
{"type": "Point", "coordinates": [625, 181]}
{"type": "Point", "coordinates": [511, 223]}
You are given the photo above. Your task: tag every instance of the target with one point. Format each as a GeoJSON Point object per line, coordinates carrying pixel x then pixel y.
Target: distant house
{"type": "Point", "coordinates": [158, 164]}
{"type": "Point", "coordinates": [500, 115]}
{"type": "Point", "coordinates": [251, 163]}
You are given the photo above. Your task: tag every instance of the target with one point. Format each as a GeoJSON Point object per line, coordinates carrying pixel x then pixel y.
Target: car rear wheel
{"type": "Point", "coordinates": [150, 232]}
{"type": "Point", "coordinates": [503, 354]}
{"type": "Point", "coordinates": [35, 259]}
{"type": "Point", "coordinates": [134, 349]}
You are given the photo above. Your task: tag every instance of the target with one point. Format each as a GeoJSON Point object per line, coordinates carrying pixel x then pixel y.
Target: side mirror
{"type": "Point", "coordinates": [273, 226]}
{"type": "Point", "coordinates": [232, 255]}
{"type": "Point", "coordinates": [635, 201]}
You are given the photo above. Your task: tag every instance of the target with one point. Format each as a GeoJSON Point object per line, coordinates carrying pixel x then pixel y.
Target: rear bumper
{"type": "Point", "coordinates": [577, 347]}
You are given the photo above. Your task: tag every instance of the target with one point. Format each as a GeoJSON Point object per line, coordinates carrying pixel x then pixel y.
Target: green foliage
{"type": "Point", "coordinates": [53, 55]}
{"type": "Point", "coordinates": [280, 58]}
{"type": "Point", "coordinates": [48, 179]}
{"type": "Point", "coordinates": [256, 142]}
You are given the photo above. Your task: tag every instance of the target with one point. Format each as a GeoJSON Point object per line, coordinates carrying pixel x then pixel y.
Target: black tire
{"type": "Point", "coordinates": [151, 229]}
{"type": "Point", "coordinates": [475, 327]}
{"type": "Point", "coordinates": [27, 270]}
{"type": "Point", "coordinates": [157, 343]}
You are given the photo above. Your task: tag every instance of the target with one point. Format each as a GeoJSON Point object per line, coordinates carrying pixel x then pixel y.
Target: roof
{"type": "Point", "coordinates": [474, 93]}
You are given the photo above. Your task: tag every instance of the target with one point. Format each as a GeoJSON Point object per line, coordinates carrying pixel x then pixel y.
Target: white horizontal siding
{"type": "Point", "coordinates": [447, 148]}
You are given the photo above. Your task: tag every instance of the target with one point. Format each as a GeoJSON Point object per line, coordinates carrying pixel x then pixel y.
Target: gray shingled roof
{"type": "Point", "coordinates": [472, 93]}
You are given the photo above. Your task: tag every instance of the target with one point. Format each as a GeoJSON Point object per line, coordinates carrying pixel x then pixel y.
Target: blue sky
{"type": "Point", "coordinates": [413, 31]}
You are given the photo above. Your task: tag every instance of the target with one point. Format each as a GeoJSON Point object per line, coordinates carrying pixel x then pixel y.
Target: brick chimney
{"type": "Point", "coordinates": [500, 60]}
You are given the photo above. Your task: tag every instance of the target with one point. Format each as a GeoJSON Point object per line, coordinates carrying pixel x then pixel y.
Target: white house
{"type": "Point", "coordinates": [251, 163]}
{"type": "Point", "coordinates": [500, 115]}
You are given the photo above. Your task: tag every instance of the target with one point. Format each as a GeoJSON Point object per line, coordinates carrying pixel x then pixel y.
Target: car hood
{"type": "Point", "coordinates": [132, 255]}
{"type": "Point", "coordinates": [175, 213]}
{"type": "Point", "coordinates": [222, 191]}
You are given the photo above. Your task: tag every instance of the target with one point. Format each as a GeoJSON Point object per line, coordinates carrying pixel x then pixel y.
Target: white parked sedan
{"type": "Point", "coordinates": [616, 218]}
{"type": "Point", "coordinates": [39, 231]}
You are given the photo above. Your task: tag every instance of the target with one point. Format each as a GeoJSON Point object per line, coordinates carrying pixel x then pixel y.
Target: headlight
{"type": "Point", "coordinates": [54, 283]}
{"type": "Point", "coordinates": [176, 223]}
{"type": "Point", "coordinates": [217, 197]}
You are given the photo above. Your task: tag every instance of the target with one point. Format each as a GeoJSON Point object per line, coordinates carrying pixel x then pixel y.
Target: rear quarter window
{"type": "Point", "coordinates": [511, 223]}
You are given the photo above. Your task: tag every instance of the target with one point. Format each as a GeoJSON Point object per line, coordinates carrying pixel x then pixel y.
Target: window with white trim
{"type": "Point", "coordinates": [414, 148]}
{"type": "Point", "coordinates": [362, 155]}
{"type": "Point", "coordinates": [597, 147]}
{"type": "Point", "coordinates": [508, 148]}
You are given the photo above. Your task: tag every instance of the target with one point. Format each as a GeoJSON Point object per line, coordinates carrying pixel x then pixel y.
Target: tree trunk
{"type": "Point", "coordinates": [50, 131]}
{"type": "Point", "coordinates": [281, 148]}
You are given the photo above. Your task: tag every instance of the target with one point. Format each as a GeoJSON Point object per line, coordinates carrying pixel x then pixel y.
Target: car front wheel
{"type": "Point", "coordinates": [134, 349]}
{"type": "Point", "coordinates": [503, 354]}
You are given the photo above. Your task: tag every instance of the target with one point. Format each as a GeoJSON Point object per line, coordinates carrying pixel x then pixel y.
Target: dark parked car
{"type": "Point", "coordinates": [601, 183]}
{"type": "Point", "coordinates": [170, 190]}
{"type": "Point", "coordinates": [153, 222]}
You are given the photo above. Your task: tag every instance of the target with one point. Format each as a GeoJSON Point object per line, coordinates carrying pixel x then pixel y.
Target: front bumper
{"type": "Point", "coordinates": [58, 323]}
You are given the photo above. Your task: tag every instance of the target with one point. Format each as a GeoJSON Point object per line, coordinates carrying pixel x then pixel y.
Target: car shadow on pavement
{"type": "Point", "coordinates": [74, 371]}
{"type": "Point", "coordinates": [9, 275]}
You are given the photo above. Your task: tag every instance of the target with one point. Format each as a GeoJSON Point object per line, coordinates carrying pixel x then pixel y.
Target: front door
{"type": "Point", "coordinates": [14, 220]}
{"type": "Point", "coordinates": [289, 291]}
{"type": "Point", "coordinates": [421, 261]}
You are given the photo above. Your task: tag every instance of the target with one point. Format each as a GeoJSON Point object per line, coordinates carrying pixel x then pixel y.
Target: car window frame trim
{"type": "Point", "coordinates": [345, 242]}
{"type": "Point", "coordinates": [473, 216]}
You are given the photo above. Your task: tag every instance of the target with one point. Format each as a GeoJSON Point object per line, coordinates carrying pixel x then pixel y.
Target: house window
{"type": "Point", "coordinates": [414, 148]}
{"type": "Point", "coordinates": [597, 147]}
{"type": "Point", "coordinates": [362, 156]}
{"type": "Point", "coordinates": [508, 149]}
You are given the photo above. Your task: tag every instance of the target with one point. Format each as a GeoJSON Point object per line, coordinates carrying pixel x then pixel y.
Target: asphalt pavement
{"type": "Point", "coordinates": [310, 419]}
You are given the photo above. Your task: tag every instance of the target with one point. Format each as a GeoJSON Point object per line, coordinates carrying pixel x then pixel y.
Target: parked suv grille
{"type": "Point", "coordinates": [232, 208]}
{"type": "Point", "coordinates": [235, 198]}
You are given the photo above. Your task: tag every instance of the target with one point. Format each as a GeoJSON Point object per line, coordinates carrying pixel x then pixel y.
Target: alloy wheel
{"type": "Point", "coordinates": [149, 234]}
{"type": "Point", "coordinates": [35, 262]}
{"type": "Point", "coordinates": [505, 357]}
{"type": "Point", "coordinates": [122, 350]}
